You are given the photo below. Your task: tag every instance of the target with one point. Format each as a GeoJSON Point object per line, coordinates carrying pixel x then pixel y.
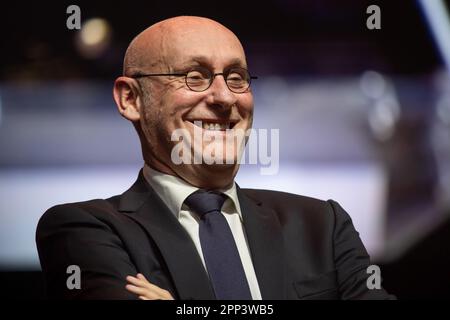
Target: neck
{"type": "Point", "coordinates": [211, 178]}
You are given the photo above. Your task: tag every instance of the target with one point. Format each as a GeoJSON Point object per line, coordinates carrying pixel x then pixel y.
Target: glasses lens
{"type": "Point", "coordinates": [198, 79]}
{"type": "Point", "coordinates": [238, 80]}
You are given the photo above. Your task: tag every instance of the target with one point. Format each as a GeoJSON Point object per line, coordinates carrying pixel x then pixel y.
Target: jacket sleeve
{"type": "Point", "coordinates": [68, 235]}
{"type": "Point", "coordinates": [351, 259]}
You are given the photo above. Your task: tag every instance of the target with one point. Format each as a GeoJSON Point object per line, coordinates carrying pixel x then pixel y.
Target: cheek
{"type": "Point", "coordinates": [171, 112]}
{"type": "Point", "coordinates": [150, 119]}
{"type": "Point", "coordinates": [159, 126]}
{"type": "Point", "coordinates": [183, 101]}
{"type": "Point", "coordinates": [155, 121]}
{"type": "Point", "coordinates": [246, 105]}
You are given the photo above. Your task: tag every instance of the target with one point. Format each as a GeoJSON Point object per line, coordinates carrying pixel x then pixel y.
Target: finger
{"type": "Point", "coordinates": [168, 296]}
{"type": "Point", "coordinates": [141, 281]}
{"type": "Point", "coordinates": [150, 285]}
{"type": "Point", "coordinates": [141, 276]}
{"type": "Point", "coordinates": [136, 281]}
{"type": "Point", "coordinates": [144, 292]}
{"type": "Point", "coordinates": [143, 298]}
{"type": "Point", "coordinates": [136, 290]}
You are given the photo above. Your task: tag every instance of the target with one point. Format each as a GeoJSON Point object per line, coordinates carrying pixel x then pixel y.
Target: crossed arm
{"type": "Point", "coordinates": [68, 235]}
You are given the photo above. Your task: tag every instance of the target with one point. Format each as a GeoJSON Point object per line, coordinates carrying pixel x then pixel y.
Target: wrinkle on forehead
{"type": "Point", "coordinates": [152, 50]}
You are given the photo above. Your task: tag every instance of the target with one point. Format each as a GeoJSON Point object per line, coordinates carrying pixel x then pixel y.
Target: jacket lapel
{"type": "Point", "coordinates": [266, 246]}
{"type": "Point", "coordinates": [261, 225]}
{"type": "Point", "coordinates": [143, 205]}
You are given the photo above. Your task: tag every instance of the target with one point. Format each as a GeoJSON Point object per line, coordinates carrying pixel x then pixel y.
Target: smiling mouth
{"type": "Point", "coordinates": [213, 125]}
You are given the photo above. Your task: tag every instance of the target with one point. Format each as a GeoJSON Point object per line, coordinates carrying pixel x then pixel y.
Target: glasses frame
{"type": "Point", "coordinates": [213, 76]}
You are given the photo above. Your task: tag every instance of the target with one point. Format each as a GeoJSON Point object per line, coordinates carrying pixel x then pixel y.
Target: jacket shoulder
{"type": "Point", "coordinates": [291, 207]}
{"type": "Point", "coordinates": [84, 211]}
{"type": "Point", "coordinates": [279, 199]}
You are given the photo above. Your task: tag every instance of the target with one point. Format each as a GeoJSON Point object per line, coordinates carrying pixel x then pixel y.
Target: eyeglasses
{"type": "Point", "coordinates": [200, 79]}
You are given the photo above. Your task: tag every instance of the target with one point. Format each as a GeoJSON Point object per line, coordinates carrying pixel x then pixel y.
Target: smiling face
{"type": "Point", "coordinates": [183, 44]}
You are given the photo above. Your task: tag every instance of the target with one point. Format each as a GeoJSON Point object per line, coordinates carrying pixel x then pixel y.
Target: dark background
{"type": "Point", "coordinates": [283, 37]}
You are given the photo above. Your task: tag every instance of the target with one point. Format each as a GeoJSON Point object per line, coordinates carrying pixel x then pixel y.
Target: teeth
{"type": "Point", "coordinates": [215, 126]}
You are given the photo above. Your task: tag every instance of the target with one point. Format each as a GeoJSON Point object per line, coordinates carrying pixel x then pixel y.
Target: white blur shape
{"type": "Point", "coordinates": [385, 107]}
{"type": "Point", "coordinates": [94, 38]}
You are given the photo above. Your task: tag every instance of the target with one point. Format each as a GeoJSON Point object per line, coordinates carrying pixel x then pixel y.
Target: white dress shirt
{"type": "Point", "coordinates": [173, 191]}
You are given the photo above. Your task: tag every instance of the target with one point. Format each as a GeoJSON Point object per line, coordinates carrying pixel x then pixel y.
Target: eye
{"type": "Point", "coordinates": [235, 77]}
{"type": "Point", "coordinates": [198, 74]}
{"type": "Point", "coordinates": [195, 75]}
{"type": "Point", "coordinates": [198, 79]}
{"type": "Point", "coordinates": [238, 78]}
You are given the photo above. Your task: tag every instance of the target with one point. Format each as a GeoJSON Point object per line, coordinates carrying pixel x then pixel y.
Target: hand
{"type": "Point", "coordinates": [146, 290]}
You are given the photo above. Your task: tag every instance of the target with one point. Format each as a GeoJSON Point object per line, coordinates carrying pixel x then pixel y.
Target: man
{"type": "Point", "coordinates": [185, 230]}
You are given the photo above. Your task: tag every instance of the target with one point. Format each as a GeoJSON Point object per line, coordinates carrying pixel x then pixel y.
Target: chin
{"type": "Point", "coordinates": [215, 176]}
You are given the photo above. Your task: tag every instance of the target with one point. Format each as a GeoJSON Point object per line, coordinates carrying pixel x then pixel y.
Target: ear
{"type": "Point", "coordinates": [127, 96]}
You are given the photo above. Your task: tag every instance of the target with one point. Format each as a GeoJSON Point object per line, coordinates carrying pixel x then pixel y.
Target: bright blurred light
{"type": "Point", "coordinates": [94, 38]}
{"type": "Point", "coordinates": [382, 119]}
{"type": "Point", "coordinates": [372, 84]}
{"type": "Point", "coordinates": [437, 17]}
{"type": "Point", "coordinates": [385, 109]}
{"type": "Point", "coordinates": [94, 31]}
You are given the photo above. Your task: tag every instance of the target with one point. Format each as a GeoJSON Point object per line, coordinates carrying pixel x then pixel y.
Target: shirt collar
{"type": "Point", "coordinates": [173, 191]}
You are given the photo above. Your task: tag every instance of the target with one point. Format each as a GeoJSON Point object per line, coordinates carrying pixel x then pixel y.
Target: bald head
{"type": "Point", "coordinates": [154, 48]}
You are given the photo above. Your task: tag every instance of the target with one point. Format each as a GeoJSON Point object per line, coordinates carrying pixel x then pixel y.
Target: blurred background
{"type": "Point", "coordinates": [364, 119]}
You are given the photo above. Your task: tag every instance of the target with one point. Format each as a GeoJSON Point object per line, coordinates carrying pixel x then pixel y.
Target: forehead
{"type": "Point", "coordinates": [209, 45]}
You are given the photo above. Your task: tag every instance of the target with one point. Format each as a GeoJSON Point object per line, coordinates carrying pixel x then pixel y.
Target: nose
{"type": "Point", "coordinates": [220, 94]}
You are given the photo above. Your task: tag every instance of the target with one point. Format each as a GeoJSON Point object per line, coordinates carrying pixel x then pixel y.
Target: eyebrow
{"type": "Point", "coordinates": [204, 60]}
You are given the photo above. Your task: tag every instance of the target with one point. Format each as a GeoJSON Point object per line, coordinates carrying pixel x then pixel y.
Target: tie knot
{"type": "Point", "coordinates": [203, 201]}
